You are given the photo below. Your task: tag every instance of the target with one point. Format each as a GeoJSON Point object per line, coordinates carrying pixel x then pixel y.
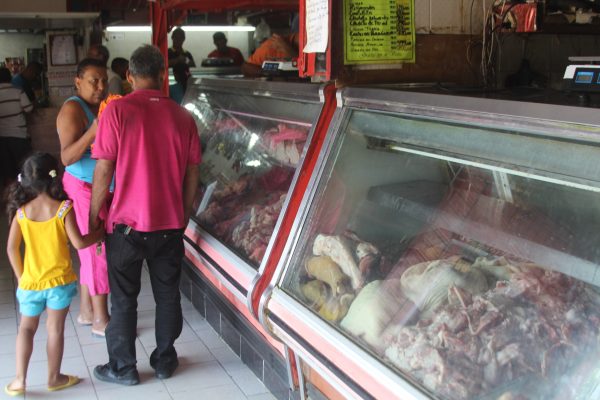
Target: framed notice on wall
{"type": "Point", "coordinates": [379, 31]}
{"type": "Point", "coordinates": [63, 49]}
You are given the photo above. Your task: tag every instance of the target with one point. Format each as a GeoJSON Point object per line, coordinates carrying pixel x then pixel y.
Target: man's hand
{"type": "Point", "coordinates": [95, 224]}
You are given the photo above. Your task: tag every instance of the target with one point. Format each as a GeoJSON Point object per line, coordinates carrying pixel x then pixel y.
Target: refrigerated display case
{"type": "Point", "coordinates": [257, 142]}
{"type": "Point", "coordinates": [447, 248]}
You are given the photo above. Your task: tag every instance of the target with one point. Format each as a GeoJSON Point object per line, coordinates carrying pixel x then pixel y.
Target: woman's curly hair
{"type": "Point", "coordinates": [38, 175]}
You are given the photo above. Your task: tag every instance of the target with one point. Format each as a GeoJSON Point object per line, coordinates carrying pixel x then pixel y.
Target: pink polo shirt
{"type": "Point", "coordinates": [152, 140]}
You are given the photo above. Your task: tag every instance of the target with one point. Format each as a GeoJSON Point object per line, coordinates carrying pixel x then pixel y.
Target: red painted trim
{"type": "Point", "coordinates": [158, 19]}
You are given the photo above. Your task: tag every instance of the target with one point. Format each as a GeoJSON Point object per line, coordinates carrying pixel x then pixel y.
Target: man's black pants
{"type": "Point", "coordinates": [126, 249]}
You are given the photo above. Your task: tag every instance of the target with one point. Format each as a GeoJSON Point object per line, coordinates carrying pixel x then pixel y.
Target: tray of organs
{"type": "Point", "coordinates": [463, 256]}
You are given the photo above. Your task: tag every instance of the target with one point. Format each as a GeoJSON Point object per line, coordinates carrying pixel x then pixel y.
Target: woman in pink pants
{"type": "Point", "coordinates": [76, 124]}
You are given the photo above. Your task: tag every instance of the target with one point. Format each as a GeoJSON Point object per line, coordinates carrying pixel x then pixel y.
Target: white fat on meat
{"type": "Point", "coordinates": [373, 309]}
{"type": "Point", "coordinates": [339, 251]}
{"type": "Point", "coordinates": [426, 284]}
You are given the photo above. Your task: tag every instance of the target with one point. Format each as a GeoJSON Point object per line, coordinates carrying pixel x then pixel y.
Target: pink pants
{"type": "Point", "coordinates": [93, 272]}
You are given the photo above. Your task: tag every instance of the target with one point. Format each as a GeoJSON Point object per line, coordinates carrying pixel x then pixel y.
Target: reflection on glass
{"type": "Point", "coordinates": [248, 164]}
{"type": "Point", "coordinates": [475, 282]}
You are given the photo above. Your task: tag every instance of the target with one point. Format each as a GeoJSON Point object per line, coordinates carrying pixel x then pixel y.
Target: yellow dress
{"type": "Point", "coordinates": [47, 261]}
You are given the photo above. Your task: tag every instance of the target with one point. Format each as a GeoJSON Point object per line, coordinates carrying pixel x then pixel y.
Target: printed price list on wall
{"type": "Point", "coordinates": [379, 31]}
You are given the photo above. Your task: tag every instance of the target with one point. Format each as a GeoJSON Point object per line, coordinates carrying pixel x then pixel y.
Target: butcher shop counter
{"type": "Point", "coordinates": [446, 247]}
{"type": "Point", "coordinates": [259, 141]}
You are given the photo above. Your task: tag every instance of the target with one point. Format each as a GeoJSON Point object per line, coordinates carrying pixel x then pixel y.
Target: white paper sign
{"type": "Point", "coordinates": [207, 197]}
{"type": "Point", "coordinates": [317, 26]}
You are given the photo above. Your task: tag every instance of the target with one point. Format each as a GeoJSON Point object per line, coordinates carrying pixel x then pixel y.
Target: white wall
{"type": "Point", "coordinates": [122, 44]}
{"type": "Point", "coordinates": [16, 44]}
{"type": "Point", "coordinates": [449, 16]}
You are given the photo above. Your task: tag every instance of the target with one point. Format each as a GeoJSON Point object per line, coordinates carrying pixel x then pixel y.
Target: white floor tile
{"type": "Point", "coordinates": [8, 344]}
{"type": "Point", "coordinates": [248, 382]}
{"type": "Point", "coordinates": [196, 321]}
{"type": "Point", "coordinates": [7, 297]}
{"type": "Point", "coordinates": [72, 349]}
{"type": "Point", "coordinates": [262, 396]}
{"type": "Point", "coordinates": [228, 392]}
{"type": "Point", "coordinates": [228, 359]}
{"type": "Point", "coordinates": [211, 339]}
{"type": "Point", "coordinates": [84, 390]}
{"type": "Point", "coordinates": [193, 353]}
{"type": "Point", "coordinates": [146, 390]}
{"type": "Point", "coordinates": [8, 310]}
{"type": "Point", "coordinates": [197, 376]}
{"type": "Point", "coordinates": [146, 303]}
{"type": "Point", "coordinates": [8, 326]}
{"type": "Point", "coordinates": [7, 284]}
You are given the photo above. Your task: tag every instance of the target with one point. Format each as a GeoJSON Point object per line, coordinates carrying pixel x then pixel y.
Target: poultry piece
{"type": "Point", "coordinates": [338, 249]}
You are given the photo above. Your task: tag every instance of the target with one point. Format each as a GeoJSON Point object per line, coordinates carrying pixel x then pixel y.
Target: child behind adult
{"type": "Point", "coordinates": [40, 213]}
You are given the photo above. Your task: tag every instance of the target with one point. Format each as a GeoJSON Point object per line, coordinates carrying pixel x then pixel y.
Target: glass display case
{"type": "Point", "coordinates": [451, 243]}
{"type": "Point", "coordinates": [253, 138]}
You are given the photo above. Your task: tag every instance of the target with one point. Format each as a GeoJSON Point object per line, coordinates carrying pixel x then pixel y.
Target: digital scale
{"type": "Point", "coordinates": [583, 74]}
{"type": "Point", "coordinates": [583, 77]}
{"type": "Point", "coordinates": [280, 67]}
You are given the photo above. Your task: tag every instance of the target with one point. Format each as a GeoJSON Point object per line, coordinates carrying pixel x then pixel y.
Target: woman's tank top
{"type": "Point", "coordinates": [47, 261]}
{"type": "Point", "coordinates": [83, 169]}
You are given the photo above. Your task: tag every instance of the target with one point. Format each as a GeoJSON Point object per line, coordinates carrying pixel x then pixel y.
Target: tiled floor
{"type": "Point", "coordinates": [208, 368]}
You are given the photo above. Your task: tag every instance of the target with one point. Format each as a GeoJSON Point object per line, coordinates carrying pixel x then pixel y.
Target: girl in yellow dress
{"type": "Point", "coordinates": [41, 217]}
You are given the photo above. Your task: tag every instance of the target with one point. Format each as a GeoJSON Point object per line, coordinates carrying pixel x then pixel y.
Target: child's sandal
{"type": "Point", "coordinates": [14, 392]}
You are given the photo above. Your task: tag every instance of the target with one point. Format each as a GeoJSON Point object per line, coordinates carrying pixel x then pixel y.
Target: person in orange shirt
{"type": "Point", "coordinates": [224, 51]}
{"type": "Point", "coordinates": [277, 47]}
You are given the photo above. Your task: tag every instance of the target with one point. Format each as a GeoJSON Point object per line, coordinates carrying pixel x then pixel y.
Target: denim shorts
{"type": "Point", "coordinates": [33, 302]}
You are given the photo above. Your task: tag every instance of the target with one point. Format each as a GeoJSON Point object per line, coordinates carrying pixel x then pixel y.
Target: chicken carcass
{"type": "Point", "coordinates": [337, 248]}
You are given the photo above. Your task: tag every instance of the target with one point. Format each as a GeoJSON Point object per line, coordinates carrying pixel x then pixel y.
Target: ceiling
{"type": "Point", "coordinates": [83, 13]}
{"type": "Point", "coordinates": [39, 22]}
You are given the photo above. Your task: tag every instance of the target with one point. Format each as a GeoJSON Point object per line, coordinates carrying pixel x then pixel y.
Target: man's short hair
{"type": "Point", "coordinates": [117, 63]}
{"type": "Point", "coordinates": [87, 63]}
{"type": "Point", "coordinates": [219, 35]}
{"type": "Point", "coordinates": [5, 75]}
{"type": "Point", "coordinates": [147, 62]}
{"type": "Point", "coordinates": [102, 51]}
{"type": "Point", "coordinates": [178, 31]}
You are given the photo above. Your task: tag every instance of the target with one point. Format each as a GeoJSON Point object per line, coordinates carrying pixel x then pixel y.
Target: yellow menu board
{"type": "Point", "coordinates": [379, 31]}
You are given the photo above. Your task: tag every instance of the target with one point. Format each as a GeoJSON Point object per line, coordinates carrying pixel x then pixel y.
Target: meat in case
{"type": "Point", "coordinates": [448, 249]}
{"type": "Point", "coordinates": [256, 138]}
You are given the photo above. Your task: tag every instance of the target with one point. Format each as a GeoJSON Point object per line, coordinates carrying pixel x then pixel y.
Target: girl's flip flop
{"type": "Point", "coordinates": [73, 380]}
{"type": "Point", "coordinates": [14, 392]}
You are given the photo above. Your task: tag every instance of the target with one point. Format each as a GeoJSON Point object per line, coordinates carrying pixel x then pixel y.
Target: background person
{"type": "Point", "coordinates": [101, 53]}
{"type": "Point", "coordinates": [14, 139]}
{"type": "Point", "coordinates": [277, 47]}
{"type": "Point", "coordinates": [154, 191]}
{"type": "Point", "coordinates": [224, 51]}
{"type": "Point", "coordinates": [76, 124]}
{"type": "Point", "coordinates": [41, 217]}
{"type": "Point", "coordinates": [177, 55]}
{"type": "Point", "coordinates": [181, 73]}
{"type": "Point", "coordinates": [118, 84]}
{"type": "Point", "coordinates": [25, 79]}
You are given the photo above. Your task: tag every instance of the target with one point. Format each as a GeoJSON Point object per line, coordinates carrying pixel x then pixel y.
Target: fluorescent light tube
{"type": "Point", "coordinates": [204, 28]}
{"type": "Point", "coordinates": [128, 29]}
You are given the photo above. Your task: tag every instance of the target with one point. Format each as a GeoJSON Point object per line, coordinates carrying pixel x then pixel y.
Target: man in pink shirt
{"type": "Point", "coordinates": [152, 145]}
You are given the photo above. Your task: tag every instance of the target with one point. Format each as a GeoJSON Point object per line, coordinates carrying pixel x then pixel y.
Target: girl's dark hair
{"type": "Point", "coordinates": [35, 179]}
